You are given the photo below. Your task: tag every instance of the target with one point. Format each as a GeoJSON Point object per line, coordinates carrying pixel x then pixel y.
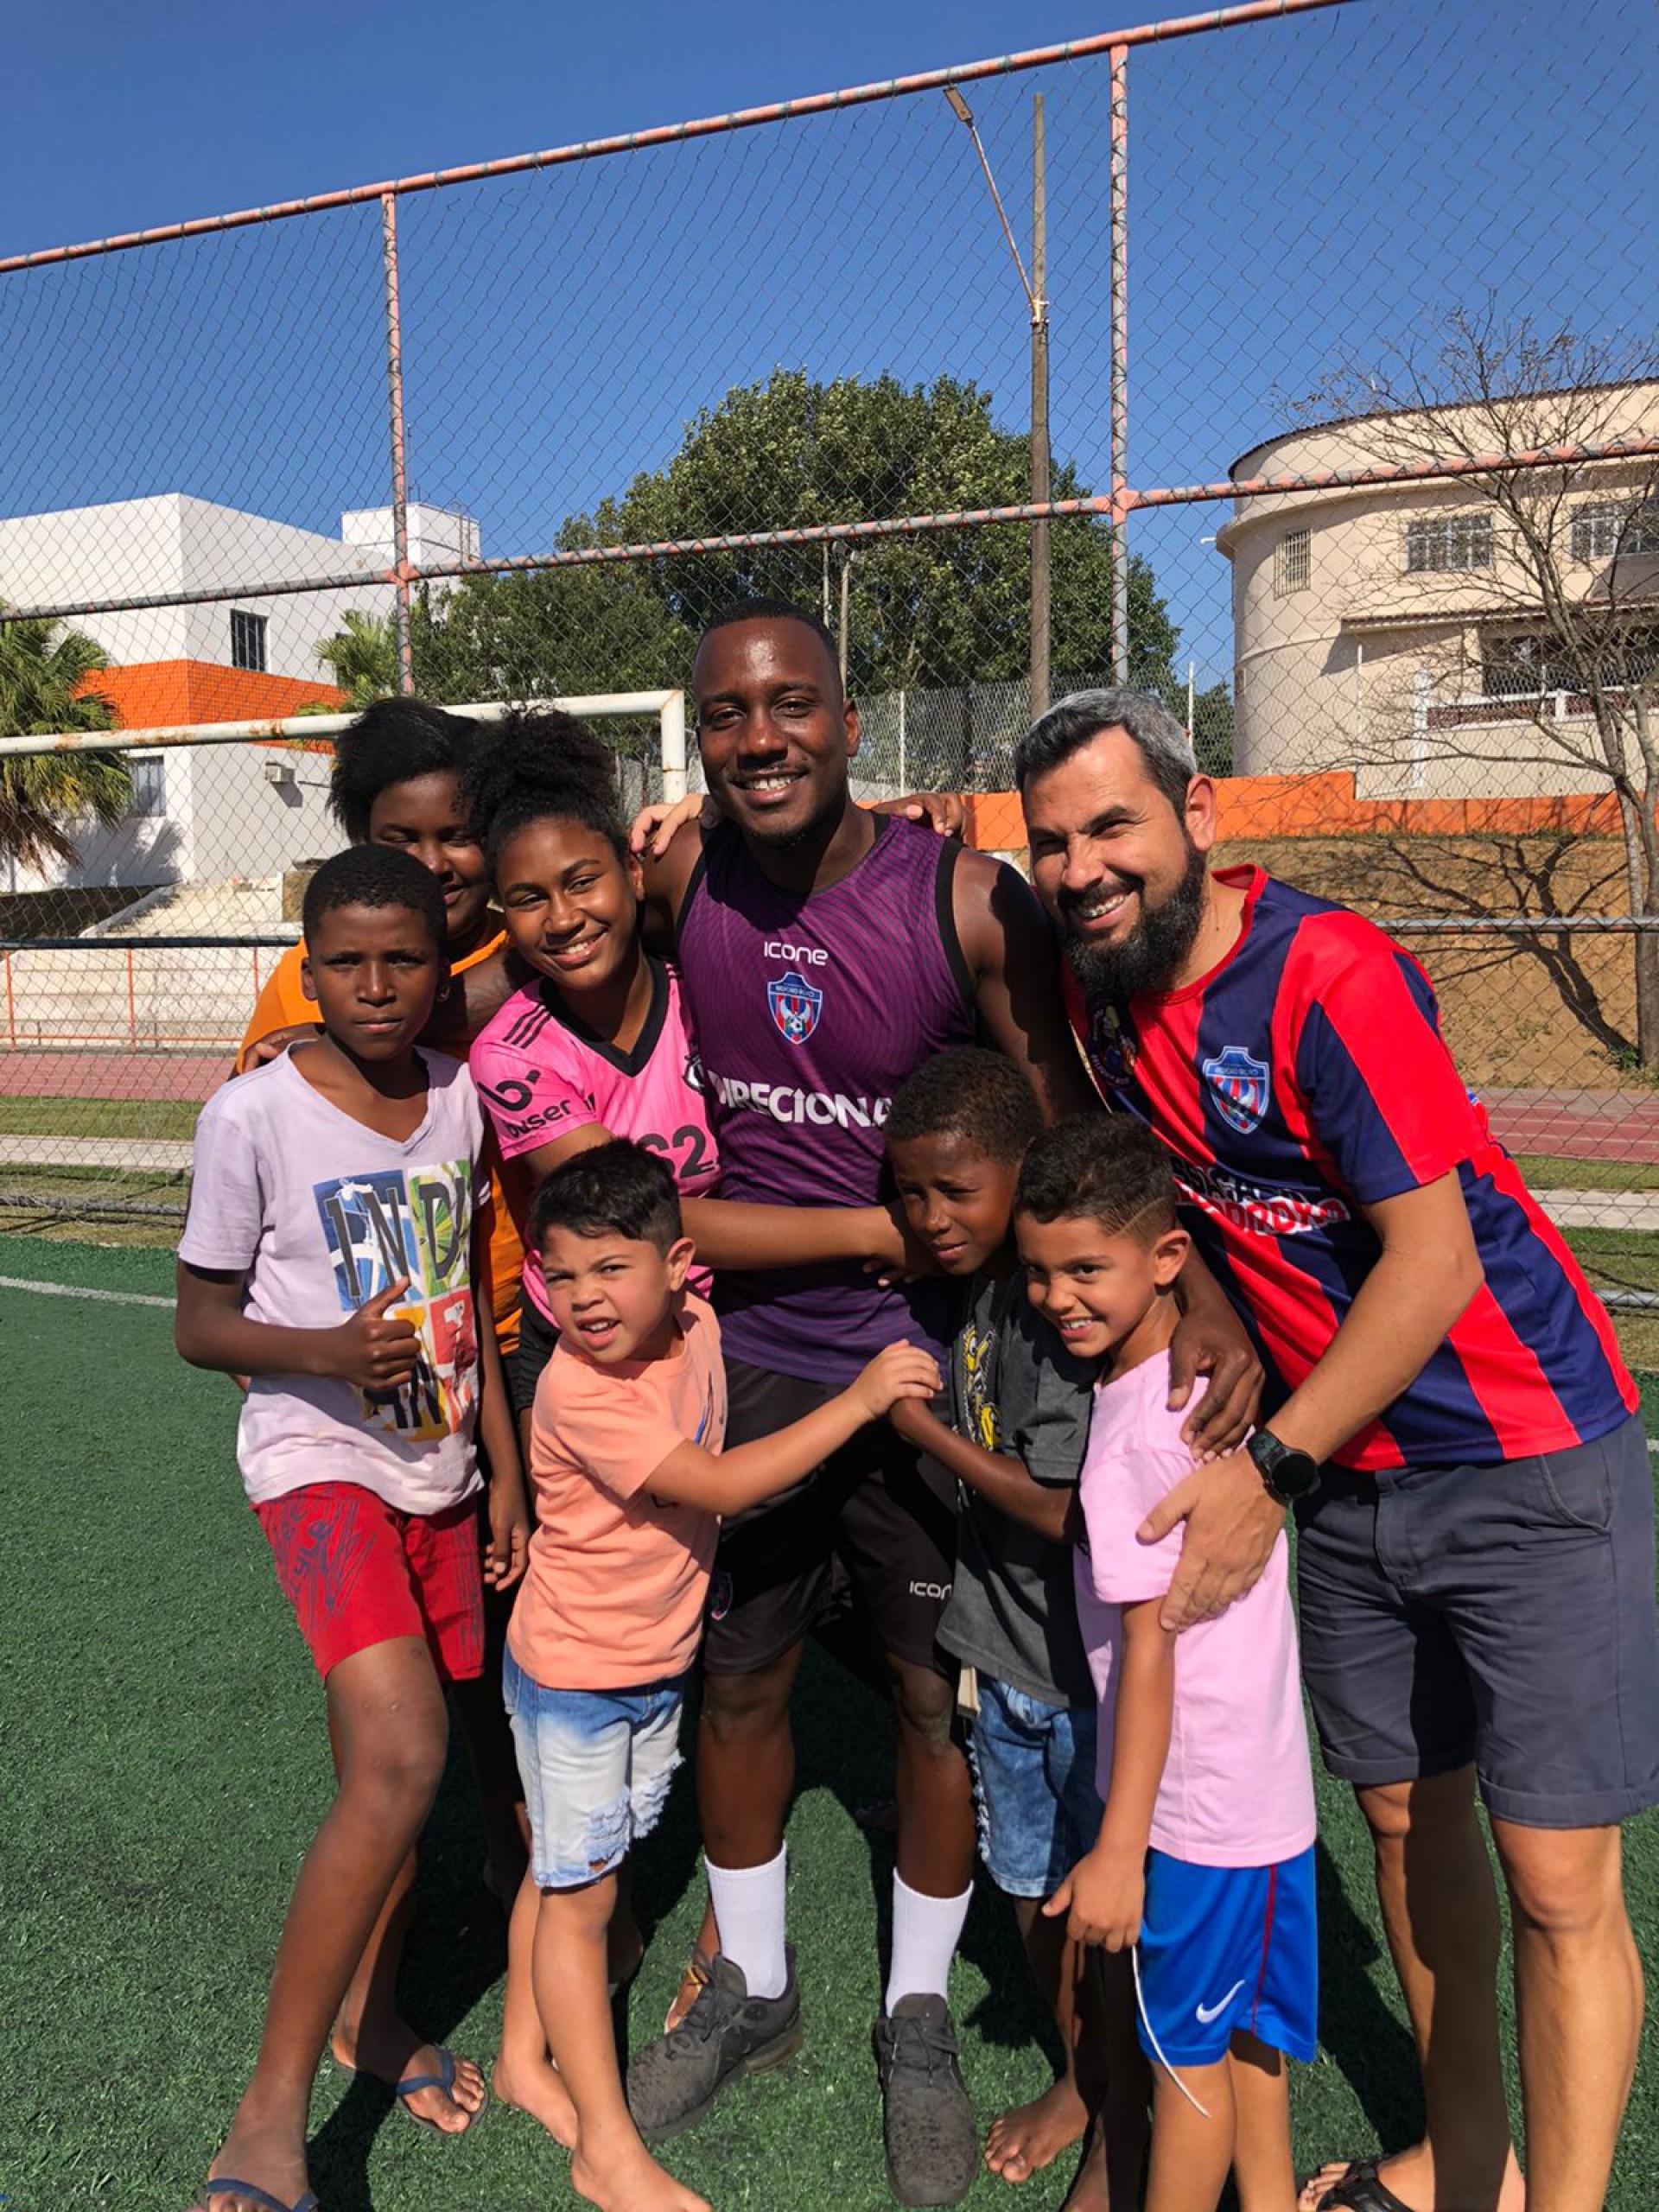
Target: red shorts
{"type": "Point", "coordinates": [358, 1572]}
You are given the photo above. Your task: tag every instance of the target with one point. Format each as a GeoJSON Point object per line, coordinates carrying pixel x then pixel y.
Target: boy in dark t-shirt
{"type": "Point", "coordinates": [1019, 1408]}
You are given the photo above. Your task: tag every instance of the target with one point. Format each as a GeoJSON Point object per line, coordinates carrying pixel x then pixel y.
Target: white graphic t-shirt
{"type": "Point", "coordinates": [323, 1214]}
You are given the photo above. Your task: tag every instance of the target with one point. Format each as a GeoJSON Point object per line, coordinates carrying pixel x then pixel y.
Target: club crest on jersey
{"type": "Point", "coordinates": [1240, 1084]}
{"type": "Point", "coordinates": [796, 1004]}
{"type": "Point", "coordinates": [1113, 1044]}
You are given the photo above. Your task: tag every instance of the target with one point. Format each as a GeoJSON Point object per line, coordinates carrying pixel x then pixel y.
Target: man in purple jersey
{"type": "Point", "coordinates": [825, 953]}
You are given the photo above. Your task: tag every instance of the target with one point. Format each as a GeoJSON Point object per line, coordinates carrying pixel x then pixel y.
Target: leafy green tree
{"type": "Point", "coordinates": [941, 609]}
{"type": "Point", "coordinates": [362, 658]}
{"type": "Point", "coordinates": [44, 678]}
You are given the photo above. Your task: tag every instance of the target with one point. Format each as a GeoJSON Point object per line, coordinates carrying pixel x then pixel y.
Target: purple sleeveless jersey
{"type": "Point", "coordinates": [810, 1012]}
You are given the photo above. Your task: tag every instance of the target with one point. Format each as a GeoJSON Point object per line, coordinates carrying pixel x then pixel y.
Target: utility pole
{"type": "Point", "coordinates": [846, 579]}
{"type": "Point", "coordinates": [1040, 473]}
{"type": "Point", "coordinates": [1035, 290]}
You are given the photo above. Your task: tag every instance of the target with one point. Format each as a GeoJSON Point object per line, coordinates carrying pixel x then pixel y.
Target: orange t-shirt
{"type": "Point", "coordinates": [282, 1004]}
{"type": "Point", "coordinates": [617, 1582]}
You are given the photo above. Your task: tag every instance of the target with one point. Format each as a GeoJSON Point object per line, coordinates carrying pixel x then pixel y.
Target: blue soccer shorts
{"type": "Point", "coordinates": [1224, 1950]}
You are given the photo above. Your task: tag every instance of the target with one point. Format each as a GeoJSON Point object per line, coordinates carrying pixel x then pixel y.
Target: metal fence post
{"type": "Point", "coordinates": [1120, 340]}
{"type": "Point", "coordinates": [400, 572]}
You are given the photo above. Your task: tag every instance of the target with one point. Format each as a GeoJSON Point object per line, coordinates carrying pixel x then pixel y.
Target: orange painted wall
{"type": "Point", "coordinates": [162, 693]}
{"type": "Point", "coordinates": [1326, 806]}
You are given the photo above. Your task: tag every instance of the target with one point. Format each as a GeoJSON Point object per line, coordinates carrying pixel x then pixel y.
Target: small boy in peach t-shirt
{"type": "Point", "coordinates": [629, 1484]}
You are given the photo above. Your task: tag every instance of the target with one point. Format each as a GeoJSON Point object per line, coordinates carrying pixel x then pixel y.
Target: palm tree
{"type": "Point", "coordinates": [362, 660]}
{"type": "Point", "coordinates": [43, 675]}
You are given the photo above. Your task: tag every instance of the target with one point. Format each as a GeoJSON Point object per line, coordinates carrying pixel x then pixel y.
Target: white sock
{"type": "Point", "coordinates": [748, 1904]}
{"type": "Point", "coordinates": [925, 1933]}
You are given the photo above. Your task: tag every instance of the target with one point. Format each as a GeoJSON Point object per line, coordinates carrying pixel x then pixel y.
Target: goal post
{"type": "Point", "coordinates": [667, 707]}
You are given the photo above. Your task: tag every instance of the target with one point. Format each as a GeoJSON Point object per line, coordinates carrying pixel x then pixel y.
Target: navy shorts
{"type": "Point", "coordinates": [1033, 1787]}
{"type": "Point", "coordinates": [1227, 1950]}
{"type": "Point", "coordinates": [873, 1528]}
{"type": "Point", "coordinates": [1499, 1615]}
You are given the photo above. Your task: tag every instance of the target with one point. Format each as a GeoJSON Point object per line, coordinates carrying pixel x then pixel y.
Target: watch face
{"type": "Point", "coordinates": [1288, 1474]}
{"type": "Point", "coordinates": [1294, 1475]}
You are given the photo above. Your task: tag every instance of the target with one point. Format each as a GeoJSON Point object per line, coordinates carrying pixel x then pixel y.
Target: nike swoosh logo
{"type": "Point", "coordinates": [1208, 2012]}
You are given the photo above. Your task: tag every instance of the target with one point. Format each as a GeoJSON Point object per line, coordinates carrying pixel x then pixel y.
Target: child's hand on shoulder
{"type": "Point", "coordinates": [507, 1553]}
{"type": "Point", "coordinates": [902, 1371]}
{"type": "Point", "coordinates": [1103, 1897]}
{"type": "Point", "coordinates": [376, 1349]}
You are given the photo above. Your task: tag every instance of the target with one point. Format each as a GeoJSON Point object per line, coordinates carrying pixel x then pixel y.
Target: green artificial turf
{"type": "Point", "coordinates": [54, 1117]}
{"type": "Point", "coordinates": [162, 1764]}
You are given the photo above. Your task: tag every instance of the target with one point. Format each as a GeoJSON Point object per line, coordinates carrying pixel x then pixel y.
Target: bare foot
{"type": "Point", "coordinates": [1411, 2175]}
{"type": "Point", "coordinates": [391, 2054]}
{"type": "Point", "coordinates": [539, 2091]}
{"type": "Point", "coordinates": [270, 2158]}
{"type": "Point", "coordinates": [1030, 2137]}
{"type": "Point", "coordinates": [1090, 2192]}
{"type": "Point", "coordinates": [627, 2178]}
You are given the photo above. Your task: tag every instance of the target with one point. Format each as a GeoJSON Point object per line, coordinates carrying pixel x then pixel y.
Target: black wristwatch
{"type": "Point", "coordinates": [1286, 1474]}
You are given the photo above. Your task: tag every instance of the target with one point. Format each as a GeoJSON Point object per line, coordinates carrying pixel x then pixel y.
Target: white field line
{"type": "Point", "coordinates": [74, 1290]}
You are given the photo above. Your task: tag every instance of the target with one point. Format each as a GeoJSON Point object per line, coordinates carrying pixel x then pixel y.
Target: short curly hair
{"type": "Point", "coordinates": [376, 875]}
{"type": "Point", "coordinates": [394, 741]}
{"type": "Point", "coordinates": [1107, 1168]}
{"type": "Point", "coordinates": [974, 1095]}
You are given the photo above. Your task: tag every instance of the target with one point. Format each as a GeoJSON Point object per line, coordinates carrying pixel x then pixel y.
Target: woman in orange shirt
{"type": "Point", "coordinates": [396, 780]}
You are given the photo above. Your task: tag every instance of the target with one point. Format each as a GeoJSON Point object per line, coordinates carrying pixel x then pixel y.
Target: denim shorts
{"type": "Point", "coordinates": [595, 1765]}
{"type": "Point", "coordinates": [1035, 1784]}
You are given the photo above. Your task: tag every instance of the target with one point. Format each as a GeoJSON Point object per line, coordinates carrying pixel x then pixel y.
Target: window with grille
{"type": "Point", "coordinates": [1449, 541]}
{"type": "Point", "coordinates": [247, 640]}
{"type": "Point", "coordinates": [1605, 527]}
{"type": "Point", "coordinates": [1290, 562]}
{"type": "Point", "coordinates": [148, 774]}
{"type": "Point", "coordinates": [1527, 666]}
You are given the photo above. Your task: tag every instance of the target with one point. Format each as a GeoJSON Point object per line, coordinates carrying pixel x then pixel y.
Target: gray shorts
{"type": "Point", "coordinates": [1503, 1616]}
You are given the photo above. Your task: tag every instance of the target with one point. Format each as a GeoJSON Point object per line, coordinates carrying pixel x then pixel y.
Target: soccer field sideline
{"type": "Point", "coordinates": [165, 1763]}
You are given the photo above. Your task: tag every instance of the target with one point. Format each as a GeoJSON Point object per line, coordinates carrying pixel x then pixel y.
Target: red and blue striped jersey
{"type": "Point", "coordinates": [1304, 1078]}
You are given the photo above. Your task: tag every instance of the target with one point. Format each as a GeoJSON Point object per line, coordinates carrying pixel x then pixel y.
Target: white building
{"type": "Point", "coordinates": [206, 815]}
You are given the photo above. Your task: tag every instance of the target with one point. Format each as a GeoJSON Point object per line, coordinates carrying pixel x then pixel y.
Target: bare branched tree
{"type": "Point", "coordinates": [1553, 675]}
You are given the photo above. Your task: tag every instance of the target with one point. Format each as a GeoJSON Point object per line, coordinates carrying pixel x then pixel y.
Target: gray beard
{"type": "Point", "coordinates": [1152, 955]}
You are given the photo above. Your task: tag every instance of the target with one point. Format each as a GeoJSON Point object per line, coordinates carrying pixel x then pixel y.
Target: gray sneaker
{"type": "Point", "coordinates": [927, 2120]}
{"type": "Point", "coordinates": [674, 2080]}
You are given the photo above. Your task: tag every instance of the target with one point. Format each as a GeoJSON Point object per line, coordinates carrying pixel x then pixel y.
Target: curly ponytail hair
{"type": "Point", "coordinates": [539, 764]}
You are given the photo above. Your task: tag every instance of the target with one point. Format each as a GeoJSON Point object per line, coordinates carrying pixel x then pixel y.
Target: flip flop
{"type": "Point", "coordinates": [225, 2187]}
{"type": "Point", "coordinates": [444, 2079]}
{"type": "Point", "coordinates": [1360, 2188]}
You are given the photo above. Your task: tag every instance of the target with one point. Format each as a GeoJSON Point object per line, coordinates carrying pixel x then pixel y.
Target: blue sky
{"type": "Point", "coordinates": [1300, 192]}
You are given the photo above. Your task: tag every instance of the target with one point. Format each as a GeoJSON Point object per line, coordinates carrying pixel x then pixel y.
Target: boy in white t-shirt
{"type": "Point", "coordinates": [1205, 1860]}
{"type": "Point", "coordinates": [328, 1259]}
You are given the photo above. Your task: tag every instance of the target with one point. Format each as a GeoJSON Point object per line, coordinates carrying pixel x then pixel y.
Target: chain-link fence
{"type": "Point", "coordinates": [1298, 363]}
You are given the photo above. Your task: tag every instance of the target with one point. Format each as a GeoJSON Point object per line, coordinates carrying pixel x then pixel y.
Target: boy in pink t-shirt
{"type": "Point", "coordinates": [1205, 1860]}
{"type": "Point", "coordinates": [630, 1482]}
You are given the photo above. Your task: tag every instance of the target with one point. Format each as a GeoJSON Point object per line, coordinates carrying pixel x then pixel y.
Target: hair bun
{"type": "Point", "coordinates": [541, 753]}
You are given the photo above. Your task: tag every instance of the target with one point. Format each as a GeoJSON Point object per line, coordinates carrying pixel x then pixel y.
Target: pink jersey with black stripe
{"type": "Point", "coordinates": [542, 1076]}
